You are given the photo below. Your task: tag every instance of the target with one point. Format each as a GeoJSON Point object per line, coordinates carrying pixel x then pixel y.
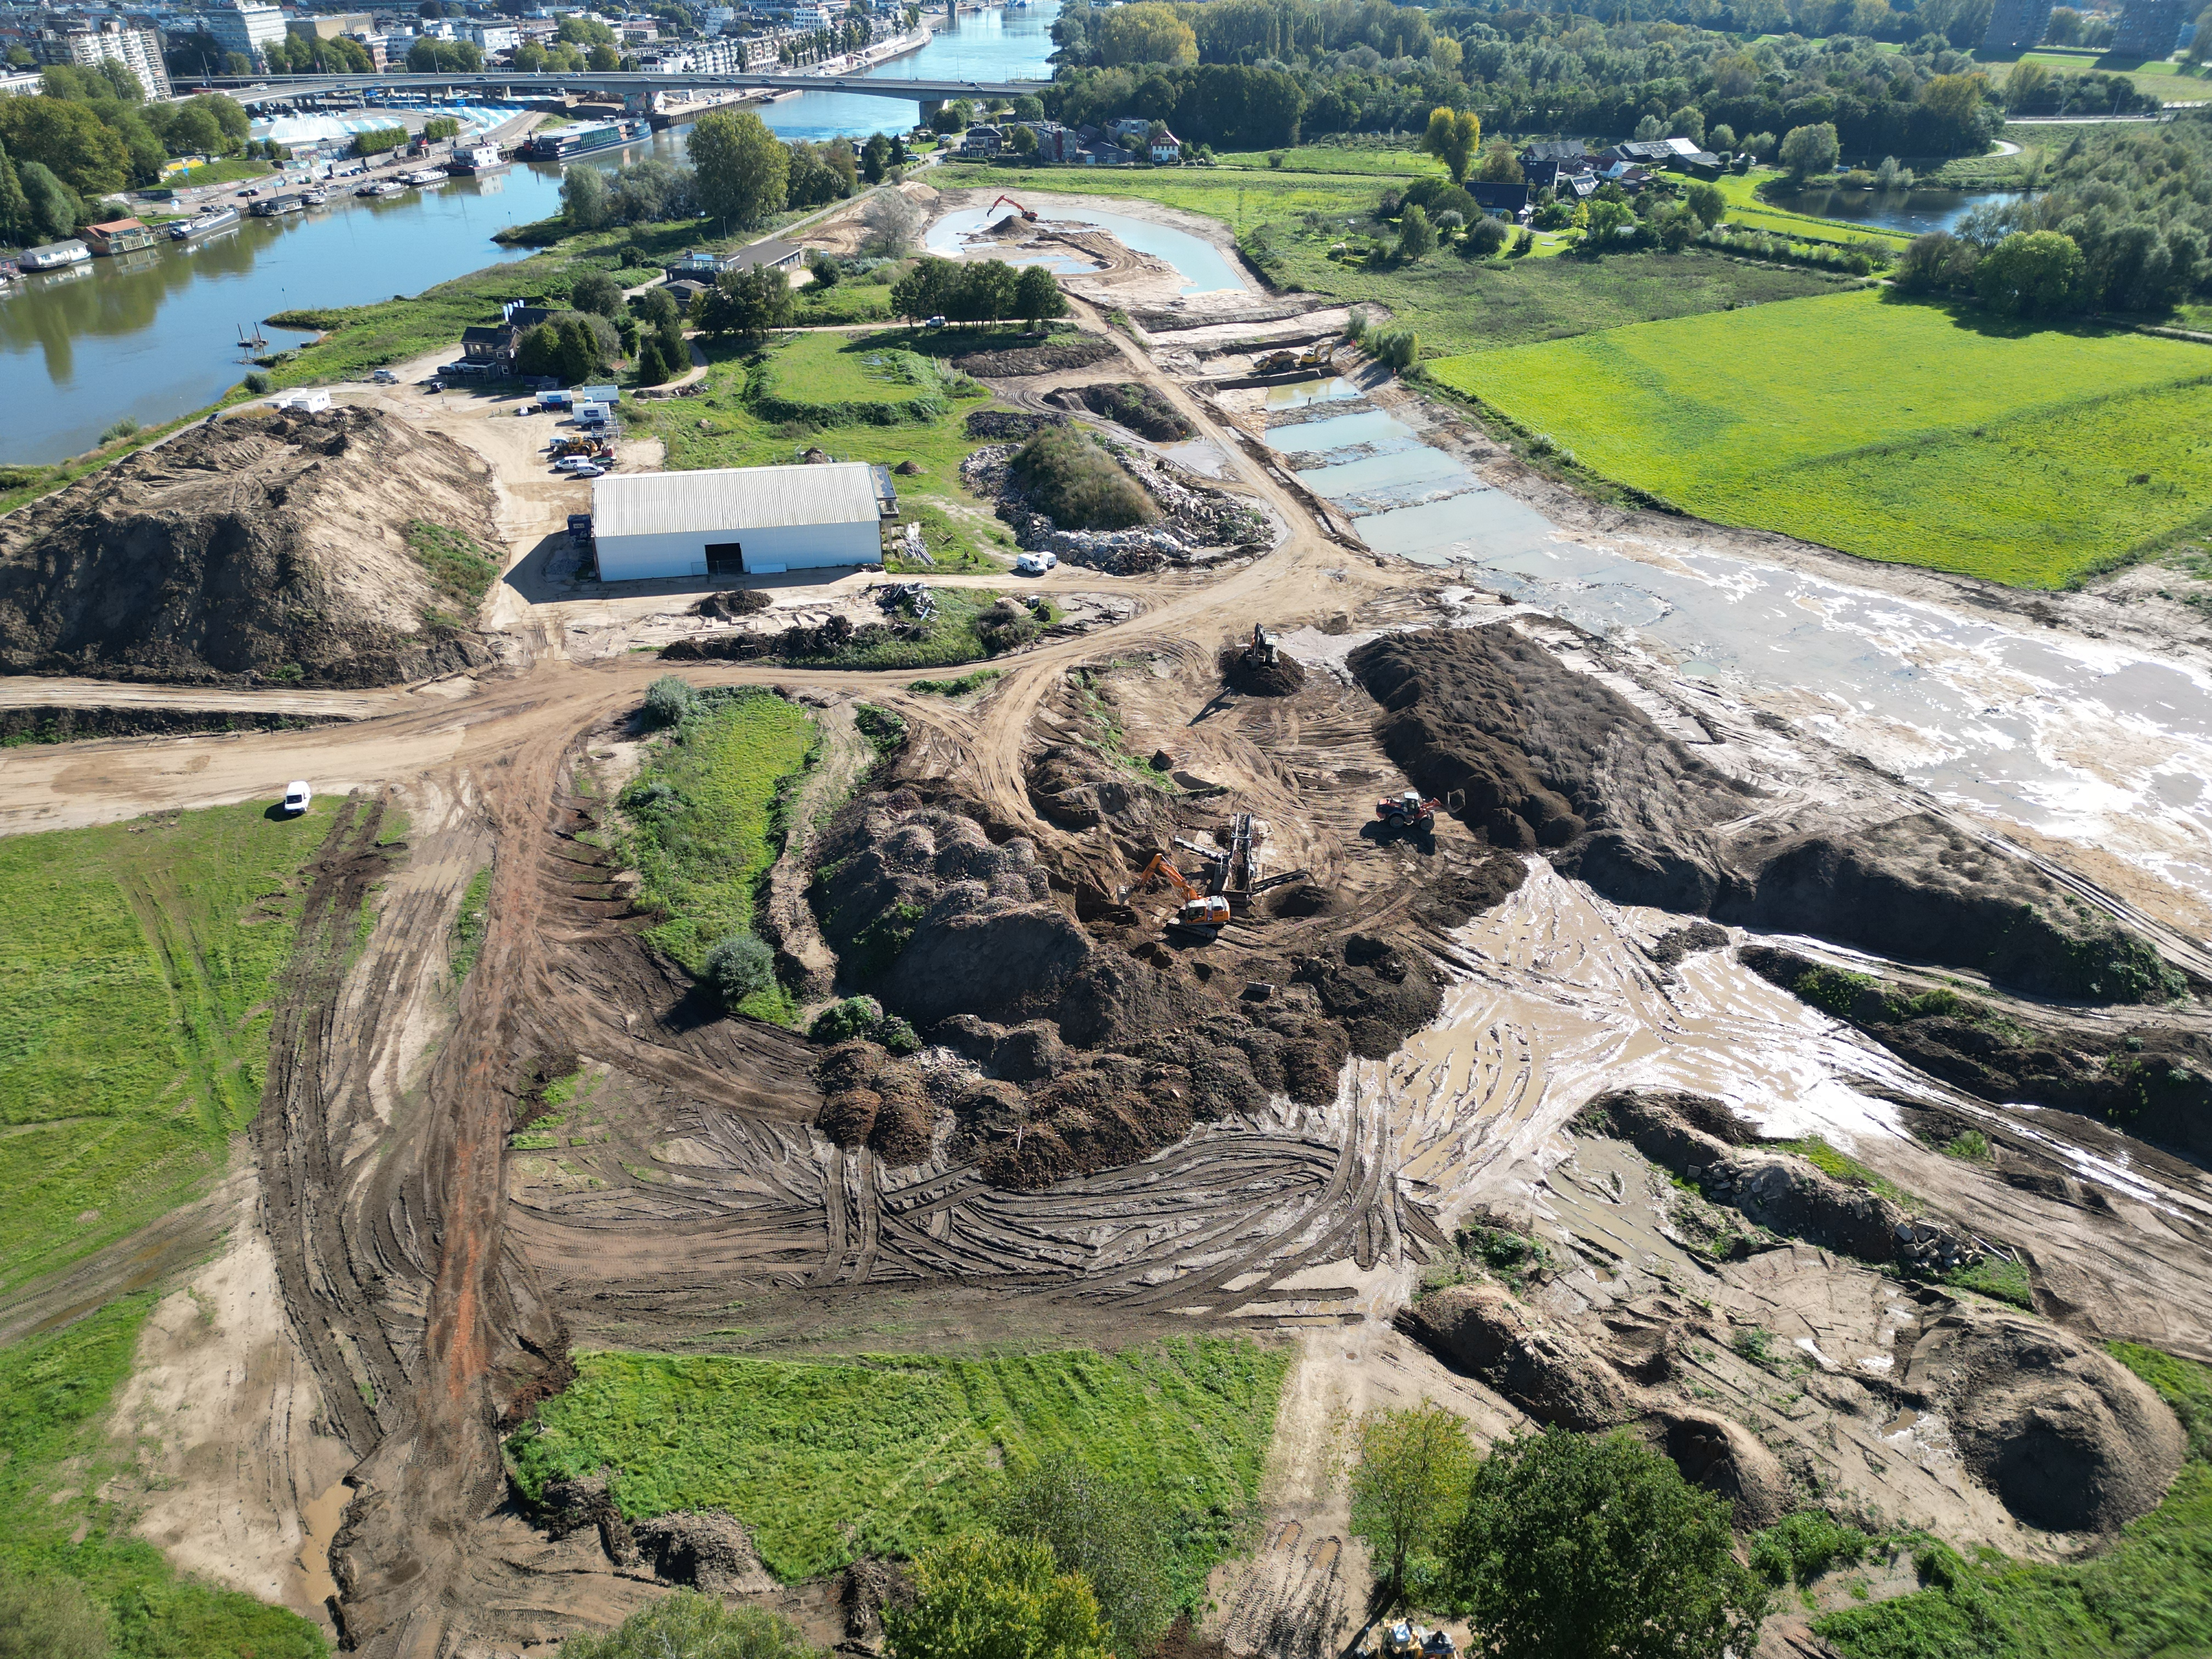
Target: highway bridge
{"type": "Point", "coordinates": [254, 91]}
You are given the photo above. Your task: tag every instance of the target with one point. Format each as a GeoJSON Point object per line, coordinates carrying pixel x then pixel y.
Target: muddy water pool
{"type": "Point", "coordinates": [1203, 268]}
{"type": "Point", "coordinates": [2071, 737]}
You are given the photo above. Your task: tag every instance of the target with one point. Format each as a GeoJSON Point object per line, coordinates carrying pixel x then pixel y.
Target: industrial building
{"type": "Point", "coordinates": [740, 521]}
{"type": "Point", "coordinates": [2148, 28]}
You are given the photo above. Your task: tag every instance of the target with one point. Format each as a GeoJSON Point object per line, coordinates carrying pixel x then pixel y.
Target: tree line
{"type": "Point", "coordinates": [91, 132]}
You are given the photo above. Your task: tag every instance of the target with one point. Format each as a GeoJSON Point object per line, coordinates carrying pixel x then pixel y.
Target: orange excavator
{"type": "Point", "coordinates": [1029, 214]}
{"type": "Point", "coordinates": [1202, 914]}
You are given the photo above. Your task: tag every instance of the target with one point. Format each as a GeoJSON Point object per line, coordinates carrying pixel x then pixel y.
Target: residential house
{"type": "Point", "coordinates": [1501, 201]}
{"type": "Point", "coordinates": [1166, 150]}
{"type": "Point", "coordinates": [980, 143]}
{"type": "Point", "coordinates": [492, 347]}
{"type": "Point", "coordinates": [1570, 153]}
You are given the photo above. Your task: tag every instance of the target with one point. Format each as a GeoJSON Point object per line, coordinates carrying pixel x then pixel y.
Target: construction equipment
{"type": "Point", "coordinates": [1284, 362]}
{"type": "Point", "coordinates": [1201, 914]}
{"type": "Point", "coordinates": [1400, 1641]}
{"type": "Point", "coordinates": [1263, 650]}
{"type": "Point", "coordinates": [1030, 213]}
{"type": "Point", "coordinates": [1408, 810]}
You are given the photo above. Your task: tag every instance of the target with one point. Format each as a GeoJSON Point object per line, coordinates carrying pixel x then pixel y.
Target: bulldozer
{"type": "Point", "coordinates": [1407, 811]}
{"type": "Point", "coordinates": [1202, 915]}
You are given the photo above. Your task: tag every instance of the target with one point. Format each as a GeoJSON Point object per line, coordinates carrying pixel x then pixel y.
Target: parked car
{"type": "Point", "coordinates": [934, 322]}
{"type": "Point", "coordinates": [574, 464]}
{"type": "Point", "coordinates": [1036, 564]}
{"type": "Point", "coordinates": [385, 377]}
{"type": "Point", "coordinates": [435, 385]}
{"type": "Point", "coordinates": [587, 471]}
{"type": "Point", "coordinates": [296, 796]}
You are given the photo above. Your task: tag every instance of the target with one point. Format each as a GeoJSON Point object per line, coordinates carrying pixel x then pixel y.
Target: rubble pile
{"type": "Point", "coordinates": [1199, 526]}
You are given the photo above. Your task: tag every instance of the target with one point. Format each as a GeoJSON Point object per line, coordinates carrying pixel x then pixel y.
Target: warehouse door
{"type": "Point", "coordinates": [725, 558]}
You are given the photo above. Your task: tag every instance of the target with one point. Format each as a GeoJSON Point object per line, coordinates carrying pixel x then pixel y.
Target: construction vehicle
{"type": "Point", "coordinates": [1203, 915]}
{"type": "Point", "coordinates": [1029, 214]}
{"type": "Point", "coordinates": [1409, 811]}
{"type": "Point", "coordinates": [1262, 651]}
{"type": "Point", "coordinates": [1285, 362]}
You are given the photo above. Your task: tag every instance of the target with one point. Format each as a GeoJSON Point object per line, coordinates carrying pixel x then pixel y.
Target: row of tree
{"type": "Point", "coordinates": [977, 291]}
{"type": "Point", "coordinates": [89, 133]}
{"type": "Point", "coordinates": [1316, 66]}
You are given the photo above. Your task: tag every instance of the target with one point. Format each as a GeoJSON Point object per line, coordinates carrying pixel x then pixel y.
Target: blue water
{"type": "Point", "coordinates": [1002, 44]}
{"type": "Point", "coordinates": [1203, 268]}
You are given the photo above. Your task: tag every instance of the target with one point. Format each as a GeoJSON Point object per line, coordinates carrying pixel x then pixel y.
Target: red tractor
{"type": "Point", "coordinates": [1407, 812]}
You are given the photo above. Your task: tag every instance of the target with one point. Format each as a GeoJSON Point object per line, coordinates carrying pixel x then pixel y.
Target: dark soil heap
{"type": "Point", "coordinates": [1142, 409]}
{"type": "Point", "coordinates": [1536, 755]}
{"type": "Point", "coordinates": [1066, 352]}
{"type": "Point", "coordinates": [264, 547]}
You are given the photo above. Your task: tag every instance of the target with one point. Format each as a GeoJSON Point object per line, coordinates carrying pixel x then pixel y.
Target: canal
{"type": "Point", "coordinates": [153, 335]}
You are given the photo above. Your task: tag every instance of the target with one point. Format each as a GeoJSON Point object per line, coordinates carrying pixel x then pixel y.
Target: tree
{"type": "Point", "coordinates": [1037, 296]}
{"type": "Point", "coordinates": [1487, 238]}
{"type": "Point", "coordinates": [16, 223]}
{"type": "Point", "coordinates": [746, 303]}
{"type": "Point", "coordinates": [1451, 137]}
{"type": "Point", "coordinates": [596, 291]}
{"type": "Point", "coordinates": [875, 158]}
{"type": "Point", "coordinates": [1412, 1477]}
{"type": "Point", "coordinates": [602, 58]}
{"type": "Point", "coordinates": [1107, 1531]}
{"type": "Point", "coordinates": [743, 168]}
{"type": "Point", "coordinates": [1025, 141]}
{"type": "Point", "coordinates": [584, 195]}
{"type": "Point", "coordinates": [925, 290]}
{"type": "Point", "coordinates": [1808, 150]}
{"type": "Point", "coordinates": [1572, 1546]}
{"type": "Point", "coordinates": [1936, 260]}
{"type": "Point", "coordinates": [1707, 202]}
{"type": "Point", "coordinates": [669, 699]}
{"type": "Point", "coordinates": [1145, 33]}
{"type": "Point", "coordinates": [52, 208]}
{"type": "Point", "coordinates": [824, 270]}
{"type": "Point", "coordinates": [696, 1626]}
{"type": "Point", "coordinates": [738, 966]}
{"type": "Point", "coordinates": [1603, 221]}
{"type": "Point", "coordinates": [530, 58]}
{"type": "Point", "coordinates": [2031, 274]}
{"type": "Point", "coordinates": [984, 1596]}
{"type": "Point", "coordinates": [69, 138]}
{"type": "Point", "coordinates": [1416, 237]}
{"type": "Point", "coordinates": [1500, 166]}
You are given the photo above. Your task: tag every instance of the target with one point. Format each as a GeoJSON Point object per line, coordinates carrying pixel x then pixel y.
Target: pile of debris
{"type": "Point", "coordinates": [1199, 525]}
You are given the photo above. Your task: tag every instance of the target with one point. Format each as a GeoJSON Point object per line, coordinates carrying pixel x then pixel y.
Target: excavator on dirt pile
{"type": "Point", "coordinates": [1282, 362]}
{"type": "Point", "coordinates": [1203, 915]}
{"type": "Point", "coordinates": [1030, 213]}
{"type": "Point", "coordinates": [1408, 810]}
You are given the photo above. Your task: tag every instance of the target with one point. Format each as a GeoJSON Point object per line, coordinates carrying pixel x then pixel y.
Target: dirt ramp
{"type": "Point", "coordinates": [257, 548]}
{"type": "Point", "coordinates": [2067, 1437]}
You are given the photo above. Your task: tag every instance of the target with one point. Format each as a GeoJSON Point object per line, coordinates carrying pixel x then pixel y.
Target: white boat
{"type": "Point", "coordinates": [203, 224]}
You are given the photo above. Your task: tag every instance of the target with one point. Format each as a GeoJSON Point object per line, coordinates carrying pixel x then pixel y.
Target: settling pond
{"type": "Point", "coordinates": [1204, 268]}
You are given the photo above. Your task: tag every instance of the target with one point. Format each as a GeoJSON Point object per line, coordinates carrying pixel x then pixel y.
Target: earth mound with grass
{"type": "Point", "coordinates": [346, 548]}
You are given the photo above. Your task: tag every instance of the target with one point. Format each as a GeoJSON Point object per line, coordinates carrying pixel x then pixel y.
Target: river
{"type": "Point", "coordinates": [153, 335]}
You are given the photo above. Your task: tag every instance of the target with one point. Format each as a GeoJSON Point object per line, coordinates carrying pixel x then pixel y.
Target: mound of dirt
{"type": "Point", "coordinates": [259, 547]}
{"type": "Point", "coordinates": [1726, 1458]}
{"type": "Point", "coordinates": [706, 1549]}
{"type": "Point", "coordinates": [1068, 352]}
{"type": "Point", "coordinates": [2154, 1080]}
{"type": "Point", "coordinates": [1482, 1331]}
{"type": "Point", "coordinates": [893, 1107]}
{"type": "Point", "coordinates": [1534, 754]}
{"type": "Point", "coordinates": [733, 603]}
{"type": "Point", "coordinates": [1258, 677]}
{"type": "Point", "coordinates": [1143, 409]}
{"type": "Point", "coordinates": [1001, 423]}
{"type": "Point", "coordinates": [2067, 1437]}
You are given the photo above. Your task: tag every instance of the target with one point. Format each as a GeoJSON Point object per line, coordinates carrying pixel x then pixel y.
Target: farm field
{"type": "Point", "coordinates": [825, 1462]}
{"type": "Point", "coordinates": [1896, 431]}
{"type": "Point", "coordinates": [140, 960]}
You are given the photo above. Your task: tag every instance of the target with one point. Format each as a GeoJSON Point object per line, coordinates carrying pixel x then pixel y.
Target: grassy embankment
{"type": "Point", "coordinates": [1746, 211]}
{"type": "Point", "coordinates": [879, 397]}
{"type": "Point", "coordinates": [1455, 305]}
{"type": "Point", "coordinates": [826, 1462]}
{"type": "Point", "coordinates": [1917, 433]}
{"type": "Point", "coordinates": [705, 816]}
{"type": "Point", "coordinates": [141, 959]}
{"type": "Point", "coordinates": [2149, 1595]}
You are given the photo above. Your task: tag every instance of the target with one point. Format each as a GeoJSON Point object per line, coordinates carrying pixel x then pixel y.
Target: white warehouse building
{"type": "Point", "coordinates": [740, 521]}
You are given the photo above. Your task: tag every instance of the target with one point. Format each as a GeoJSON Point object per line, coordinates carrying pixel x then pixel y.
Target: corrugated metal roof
{"type": "Point", "coordinates": [732, 498]}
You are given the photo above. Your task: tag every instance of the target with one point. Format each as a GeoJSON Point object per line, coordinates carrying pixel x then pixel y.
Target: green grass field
{"type": "Point", "coordinates": [139, 959]}
{"type": "Point", "coordinates": [1898, 431]}
{"type": "Point", "coordinates": [1748, 212]}
{"type": "Point", "coordinates": [713, 830]}
{"type": "Point", "coordinates": [825, 1462]}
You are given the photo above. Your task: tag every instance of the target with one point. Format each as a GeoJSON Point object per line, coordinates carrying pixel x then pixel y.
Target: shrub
{"type": "Point", "coordinates": [980, 1594]}
{"type": "Point", "coordinates": [698, 1627]}
{"type": "Point", "coordinates": [1078, 484]}
{"type": "Point", "coordinates": [125, 428]}
{"type": "Point", "coordinates": [738, 966]}
{"type": "Point", "coordinates": [1487, 238]}
{"type": "Point", "coordinates": [841, 1021]}
{"type": "Point", "coordinates": [256, 382]}
{"type": "Point", "coordinates": [669, 699]}
{"type": "Point", "coordinates": [1108, 1532]}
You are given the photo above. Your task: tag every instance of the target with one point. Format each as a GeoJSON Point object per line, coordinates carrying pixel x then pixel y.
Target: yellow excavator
{"type": "Point", "coordinates": [1201, 914]}
{"type": "Point", "coordinates": [1282, 362]}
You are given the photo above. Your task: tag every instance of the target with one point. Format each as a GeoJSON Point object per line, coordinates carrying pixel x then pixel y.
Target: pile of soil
{"type": "Point", "coordinates": [1070, 351]}
{"type": "Point", "coordinates": [55, 723]}
{"type": "Point", "coordinates": [1482, 1331]}
{"type": "Point", "coordinates": [2154, 1080]}
{"type": "Point", "coordinates": [1143, 409]}
{"type": "Point", "coordinates": [1009, 423]}
{"type": "Point", "coordinates": [892, 1107]}
{"type": "Point", "coordinates": [1535, 755]}
{"type": "Point", "coordinates": [829, 637]}
{"type": "Point", "coordinates": [729, 605]}
{"type": "Point", "coordinates": [1257, 678]}
{"type": "Point", "coordinates": [261, 547]}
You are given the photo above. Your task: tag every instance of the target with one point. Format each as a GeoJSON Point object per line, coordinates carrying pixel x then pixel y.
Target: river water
{"type": "Point", "coordinates": [153, 335]}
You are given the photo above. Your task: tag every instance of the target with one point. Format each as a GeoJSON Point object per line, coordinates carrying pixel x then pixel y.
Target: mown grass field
{"type": "Point", "coordinates": [140, 959]}
{"type": "Point", "coordinates": [825, 1462]}
{"type": "Point", "coordinates": [704, 825]}
{"type": "Point", "coordinates": [1905, 432]}
{"type": "Point", "coordinates": [1454, 304]}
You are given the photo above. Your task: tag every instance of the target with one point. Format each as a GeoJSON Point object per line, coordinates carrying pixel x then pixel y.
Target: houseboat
{"type": "Point", "coordinates": [568, 142]}
{"type": "Point", "coordinates": [55, 256]}
{"type": "Point", "coordinates": [271, 207]}
{"type": "Point", "coordinates": [204, 224]}
{"type": "Point", "coordinates": [482, 158]}
{"type": "Point", "coordinates": [118, 236]}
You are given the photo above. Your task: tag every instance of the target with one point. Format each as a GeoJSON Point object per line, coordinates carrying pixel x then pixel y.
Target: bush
{"type": "Point", "coordinates": [841, 1022]}
{"type": "Point", "coordinates": [981, 1594]}
{"type": "Point", "coordinates": [125, 428]}
{"type": "Point", "coordinates": [669, 699]}
{"type": "Point", "coordinates": [256, 382]}
{"type": "Point", "coordinates": [1105, 1530]}
{"type": "Point", "coordinates": [1799, 1547]}
{"type": "Point", "coordinates": [1487, 238]}
{"type": "Point", "coordinates": [696, 1626]}
{"type": "Point", "coordinates": [738, 966]}
{"type": "Point", "coordinates": [1078, 484]}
